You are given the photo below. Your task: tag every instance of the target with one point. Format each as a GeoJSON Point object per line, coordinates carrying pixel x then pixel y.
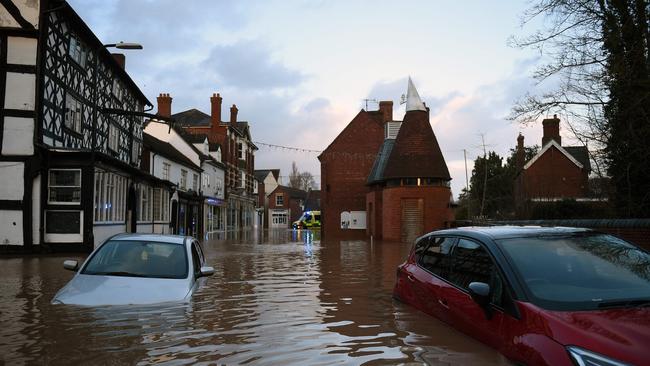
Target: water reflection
{"type": "Point", "coordinates": [277, 297]}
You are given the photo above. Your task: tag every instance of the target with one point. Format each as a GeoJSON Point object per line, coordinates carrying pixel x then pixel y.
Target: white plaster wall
{"type": "Point", "coordinates": [21, 50]}
{"type": "Point", "coordinates": [18, 136]}
{"type": "Point", "coordinates": [270, 184]}
{"type": "Point", "coordinates": [162, 132]}
{"type": "Point", "coordinates": [36, 210]}
{"type": "Point", "coordinates": [216, 174]}
{"type": "Point", "coordinates": [11, 227]}
{"type": "Point", "coordinates": [21, 91]}
{"type": "Point", "coordinates": [11, 180]}
{"type": "Point", "coordinates": [174, 171]}
{"type": "Point", "coordinates": [101, 233]}
{"type": "Point", "coordinates": [29, 9]}
{"type": "Point", "coordinates": [6, 20]}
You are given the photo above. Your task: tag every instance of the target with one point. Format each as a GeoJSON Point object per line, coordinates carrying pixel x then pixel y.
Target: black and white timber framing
{"type": "Point", "coordinates": [69, 171]}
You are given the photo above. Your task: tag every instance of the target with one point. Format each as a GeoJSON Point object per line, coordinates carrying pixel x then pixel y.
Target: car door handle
{"type": "Point", "coordinates": [410, 278]}
{"type": "Point", "coordinates": [443, 303]}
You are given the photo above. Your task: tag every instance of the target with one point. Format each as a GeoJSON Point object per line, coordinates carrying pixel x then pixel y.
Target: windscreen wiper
{"type": "Point", "coordinates": [120, 273]}
{"type": "Point", "coordinates": [624, 303]}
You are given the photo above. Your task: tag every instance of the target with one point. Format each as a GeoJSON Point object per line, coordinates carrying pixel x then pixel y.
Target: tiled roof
{"type": "Point", "coordinates": [275, 172]}
{"type": "Point", "coordinates": [167, 150]}
{"type": "Point", "coordinates": [377, 172]}
{"type": "Point", "coordinates": [581, 154]}
{"type": "Point", "coordinates": [192, 117]}
{"type": "Point", "coordinates": [416, 153]}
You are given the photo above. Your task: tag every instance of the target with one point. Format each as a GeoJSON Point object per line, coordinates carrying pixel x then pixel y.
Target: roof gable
{"type": "Point", "coordinates": [548, 146]}
{"type": "Point", "coordinates": [192, 117]}
{"type": "Point", "coordinates": [364, 119]}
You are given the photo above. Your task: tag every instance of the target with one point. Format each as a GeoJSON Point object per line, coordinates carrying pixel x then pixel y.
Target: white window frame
{"type": "Point", "coordinates": [73, 113]}
{"type": "Point", "coordinates": [77, 51]}
{"type": "Point", "coordinates": [50, 186]}
{"type": "Point", "coordinates": [195, 182]}
{"type": "Point", "coordinates": [183, 182]}
{"type": "Point", "coordinates": [113, 137]}
{"type": "Point", "coordinates": [166, 168]}
{"type": "Point", "coordinates": [279, 197]}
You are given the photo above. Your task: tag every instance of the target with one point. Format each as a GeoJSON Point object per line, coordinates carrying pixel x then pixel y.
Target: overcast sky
{"type": "Point", "coordinates": [298, 70]}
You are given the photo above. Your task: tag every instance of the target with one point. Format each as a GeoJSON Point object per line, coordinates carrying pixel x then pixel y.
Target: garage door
{"type": "Point", "coordinates": [412, 218]}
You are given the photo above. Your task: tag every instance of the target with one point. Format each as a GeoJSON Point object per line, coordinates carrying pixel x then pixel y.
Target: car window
{"type": "Point", "coordinates": [435, 257]}
{"type": "Point", "coordinates": [472, 263]}
{"type": "Point", "coordinates": [138, 259]}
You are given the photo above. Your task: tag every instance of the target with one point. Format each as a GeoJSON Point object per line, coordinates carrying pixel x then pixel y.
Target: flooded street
{"type": "Point", "coordinates": [280, 298]}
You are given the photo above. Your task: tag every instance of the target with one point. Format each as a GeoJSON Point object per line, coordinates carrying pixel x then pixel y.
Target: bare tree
{"type": "Point", "coordinates": [597, 62]}
{"type": "Point", "coordinates": [301, 180]}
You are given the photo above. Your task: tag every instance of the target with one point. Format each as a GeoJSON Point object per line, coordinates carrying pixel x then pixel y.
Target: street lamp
{"type": "Point", "coordinates": [124, 45]}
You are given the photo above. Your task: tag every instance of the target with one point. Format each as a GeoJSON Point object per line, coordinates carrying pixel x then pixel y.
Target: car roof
{"type": "Point", "coordinates": [171, 239]}
{"type": "Point", "coordinates": [503, 232]}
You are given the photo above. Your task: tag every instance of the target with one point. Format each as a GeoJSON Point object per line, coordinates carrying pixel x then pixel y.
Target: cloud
{"type": "Point", "coordinates": [249, 64]}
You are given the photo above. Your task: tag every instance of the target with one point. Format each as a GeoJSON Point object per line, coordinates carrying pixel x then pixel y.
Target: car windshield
{"type": "Point", "coordinates": [138, 259]}
{"type": "Point", "coordinates": [582, 272]}
{"type": "Point", "coordinates": [305, 217]}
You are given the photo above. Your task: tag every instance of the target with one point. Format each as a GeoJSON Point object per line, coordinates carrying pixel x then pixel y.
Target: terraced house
{"type": "Point", "coordinates": [71, 132]}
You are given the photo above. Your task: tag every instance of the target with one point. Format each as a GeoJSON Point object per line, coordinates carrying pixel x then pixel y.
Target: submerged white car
{"type": "Point", "coordinates": [136, 269]}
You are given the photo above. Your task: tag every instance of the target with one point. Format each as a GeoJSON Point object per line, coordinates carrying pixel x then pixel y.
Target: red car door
{"type": "Point", "coordinates": [471, 263]}
{"type": "Point", "coordinates": [432, 265]}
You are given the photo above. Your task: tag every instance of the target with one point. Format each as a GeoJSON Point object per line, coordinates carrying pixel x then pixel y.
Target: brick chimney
{"type": "Point", "coordinates": [215, 109]}
{"type": "Point", "coordinates": [120, 59]}
{"type": "Point", "coordinates": [233, 114]}
{"type": "Point", "coordinates": [386, 109]}
{"type": "Point", "coordinates": [551, 130]}
{"type": "Point", "coordinates": [164, 105]}
{"type": "Point", "coordinates": [521, 153]}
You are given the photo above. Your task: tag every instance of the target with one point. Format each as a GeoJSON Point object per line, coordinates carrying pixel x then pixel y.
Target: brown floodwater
{"type": "Point", "coordinates": [276, 298]}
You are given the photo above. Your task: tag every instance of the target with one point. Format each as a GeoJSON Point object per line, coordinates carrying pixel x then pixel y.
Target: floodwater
{"type": "Point", "coordinates": [276, 298]}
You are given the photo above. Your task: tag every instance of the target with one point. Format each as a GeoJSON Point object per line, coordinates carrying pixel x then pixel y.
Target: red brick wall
{"type": "Point", "coordinates": [437, 213]}
{"type": "Point", "coordinates": [345, 166]}
{"type": "Point", "coordinates": [554, 175]}
{"type": "Point", "coordinates": [374, 211]}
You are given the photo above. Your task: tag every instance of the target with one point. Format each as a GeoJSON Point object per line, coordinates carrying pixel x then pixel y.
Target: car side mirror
{"type": "Point", "coordinates": [206, 271]}
{"type": "Point", "coordinates": [71, 265]}
{"type": "Point", "coordinates": [480, 293]}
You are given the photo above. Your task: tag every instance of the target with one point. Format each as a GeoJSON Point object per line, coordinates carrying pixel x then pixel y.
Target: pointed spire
{"type": "Point", "coordinates": [413, 101]}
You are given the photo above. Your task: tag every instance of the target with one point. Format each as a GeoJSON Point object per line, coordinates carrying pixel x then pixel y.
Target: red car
{"type": "Point", "coordinates": [540, 296]}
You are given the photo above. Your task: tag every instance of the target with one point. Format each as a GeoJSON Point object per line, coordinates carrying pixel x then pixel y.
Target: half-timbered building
{"type": "Point", "coordinates": [71, 135]}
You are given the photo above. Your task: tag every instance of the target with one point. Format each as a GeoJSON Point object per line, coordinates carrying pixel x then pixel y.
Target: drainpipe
{"type": "Point", "coordinates": [153, 169]}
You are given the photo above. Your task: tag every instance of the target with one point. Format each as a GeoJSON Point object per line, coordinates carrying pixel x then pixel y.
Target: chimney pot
{"type": "Point", "coordinates": [233, 114]}
{"type": "Point", "coordinates": [215, 110]}
{"type": "Point", "coordinates": [164, 105]}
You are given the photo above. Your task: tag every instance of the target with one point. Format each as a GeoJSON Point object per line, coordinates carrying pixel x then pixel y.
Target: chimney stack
{"type": "Point", "coordinates": [164, 105]}
{"type": "Point", "coordinates": [521, 154]}
{"type": "Point", "coordinates": [215, 110]}
{"type": "Point", "coordinates": [551, 130]}
{"type": "Point", "coordinates": [386, 109]}
{"type": "Point", "coordinates": [120, 59]}
{"type": "Point", "coordinates": [233, 114]}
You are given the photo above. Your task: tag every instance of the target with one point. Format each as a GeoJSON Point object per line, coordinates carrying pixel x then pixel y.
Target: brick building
{"type": "Point", "coordinates": [238, 155]}
{"type": "Point", "coordinates": [557, 172]}
{"type": "Point", "coordinates": [286, 205]}
{"type": "Point", "coordinates": [385, 178]}
{"type": "Point", "coordinates": [345, 165]}
{"type": "Point", "coordinates": [409, 182]}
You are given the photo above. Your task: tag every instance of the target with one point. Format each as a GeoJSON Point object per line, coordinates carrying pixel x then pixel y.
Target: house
{"type": "Point", "coordinates": [555, 173]}
{"type": "Point", "coordinates": [268, 181]}
{"type": "Point", "coordinates": [286, 205]}
{"type": "Point", "coordinates": [385, 178]}
{"type": "Point", "coordinates": [345, 166]}
{"type": "Point", "coordinates": [213, 182]}
{"type": "Point", "coordinates": [169, 157]}
{"type": "Point", "coordinates": [238, 155]}
{"type": "Point", "coordinates": [70, 135]}
{"type": "Point", "coordinates": [409, 183]}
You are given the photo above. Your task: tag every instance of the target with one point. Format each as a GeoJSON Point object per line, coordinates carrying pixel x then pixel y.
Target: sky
{"type": "Point", "coordinates": [299, 70]}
